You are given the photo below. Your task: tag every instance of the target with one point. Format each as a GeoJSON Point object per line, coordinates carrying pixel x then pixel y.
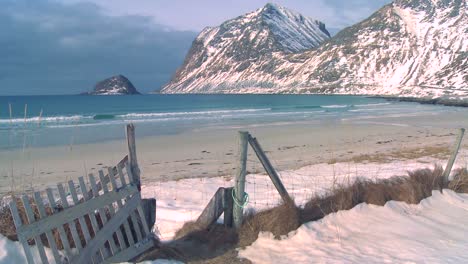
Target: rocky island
{"type": "Point", "coordinates": [115, 85]}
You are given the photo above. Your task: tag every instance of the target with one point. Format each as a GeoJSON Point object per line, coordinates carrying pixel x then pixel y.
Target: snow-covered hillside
{"type": "Point", "coordinates": [410, 48]}
{"type": "Point", "coordinates": [239, 48]}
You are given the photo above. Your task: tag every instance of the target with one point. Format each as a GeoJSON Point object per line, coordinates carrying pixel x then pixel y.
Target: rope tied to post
{"type": "Point", "coordinates": [245, 199]}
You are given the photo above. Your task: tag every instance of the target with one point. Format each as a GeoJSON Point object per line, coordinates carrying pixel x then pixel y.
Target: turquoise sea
{"type": "Point", "coordinates": [65, 120]}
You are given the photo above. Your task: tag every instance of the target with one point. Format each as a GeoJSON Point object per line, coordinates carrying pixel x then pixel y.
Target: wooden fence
{"type": "Point", "coordinates": [231, 201]}
{"type": "Point", "coordinates": [99, 222]}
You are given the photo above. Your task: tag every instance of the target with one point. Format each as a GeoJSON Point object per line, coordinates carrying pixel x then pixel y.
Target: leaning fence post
{"type": "Point", "coordinates": [270, 170]}
{"type": "Point", "coordinates": [238, 193]}
{"type": "Point", "coordinates": [132, 155]}
{"type": "Point", "coordinates": [451, 161]}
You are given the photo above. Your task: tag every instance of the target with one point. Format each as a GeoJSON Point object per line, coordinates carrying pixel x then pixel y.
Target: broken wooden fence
{"type": "Point", "coordinates": [105, 226]}
{"type": "Point", "coordinates": [232, 205]}
{"type": "Point", "coordinates": [99, 222]}
{"type": "Point", "coordinates": [231, 201]}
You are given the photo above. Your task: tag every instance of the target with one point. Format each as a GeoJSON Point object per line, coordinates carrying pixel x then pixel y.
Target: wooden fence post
{"type": "Point", "coordinates": [270, 170]}
{"type": "Point", "coordinates": [239, 187]}
{"type": "Point", "coordinates": [451, 161]}
{"type": "Point", "coordinates": [132, 157]}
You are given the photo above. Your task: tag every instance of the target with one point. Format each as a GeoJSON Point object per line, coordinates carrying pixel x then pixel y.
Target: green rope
{"type": "Point", "coordinates": [236, 201]}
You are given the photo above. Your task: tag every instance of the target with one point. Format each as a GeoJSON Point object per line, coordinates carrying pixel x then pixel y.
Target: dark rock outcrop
{"type": "Point", "coordinates": [115, 85]}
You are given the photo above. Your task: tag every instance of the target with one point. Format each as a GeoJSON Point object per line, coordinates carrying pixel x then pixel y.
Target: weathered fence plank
{"type": "Point", "coordinates": [120, 237]}
{"type": "Point", "coordinates": [21, 238]}
{"type": "Point", "coordinates": [238, 211]}
{"type": "Point", "coordinates": [81, 220]}
{"type": "Point", "coordinates": [453, 157]}
{"type": "Point", "coordinates": [72, 225]}
{"type": "Point", "coordinates": [127, 229]}
{"type": "Point", "coordinates": [102, 212]}
{"type": "Point", "coordinates": [131, 252]}
{"type": "Point", "coordinates": [213, 210]}
{"type": "Point", "coordinates": [134, 219]}
{"type": "Point", "coordinates": [31, 219]}
{"type": "Point", "coordinates": [132, 156]}
{"type": "Point", "coordinates": [50, 237]}
{"type": "Point", "coordinates": [81, 209]}
{"type": "Point", "coordinates": [269, 169]}
{"type": "Point", "coordinates": [106, 177]}
{"type": "Point", "coordinates": [61, 230]}
{"type": "Point", "coordinates": [228, 204]}
{"type": "Point", "coordinates": [142, 215]}
{"type": "Point", "coordinates": [103, 234]}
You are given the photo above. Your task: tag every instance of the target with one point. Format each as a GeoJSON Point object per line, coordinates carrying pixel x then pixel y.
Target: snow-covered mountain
{"type": "Point", "coordinates": [408, 47]}
{"type": "Point", "coordinates": [244, 47]}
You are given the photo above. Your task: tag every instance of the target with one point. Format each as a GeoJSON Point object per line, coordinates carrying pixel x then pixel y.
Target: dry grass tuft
{"type": "Point", "coordinates": [412, 189]}
{"type": "Point", "coordinates": [459, 183]}
{"type": "Point", "coordinates": [279, 221]}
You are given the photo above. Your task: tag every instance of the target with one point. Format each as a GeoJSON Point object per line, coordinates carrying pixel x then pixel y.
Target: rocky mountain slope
{"type": "Point", "coordinates": [409, 47]}
{"type": "Point", "coordinates": [244, 47]}
{"type": "Point", "coordinates": [115, 85]}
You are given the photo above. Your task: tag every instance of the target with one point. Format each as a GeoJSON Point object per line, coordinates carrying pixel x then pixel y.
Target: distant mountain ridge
{"type": "Point", "coordinates": [409, 47]}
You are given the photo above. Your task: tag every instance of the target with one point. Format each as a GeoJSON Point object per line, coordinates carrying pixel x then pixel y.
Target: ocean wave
{"type": "Point", "coordinates": [146, 115]}
{"type": "Point", "coordinates": [49, 119]}
{"type": "Point", "coordinates": [103, 117]}
{"type": "Point", "coordinates": [335, 106]}
{"type": "Point", "coordinates": [366, 105]}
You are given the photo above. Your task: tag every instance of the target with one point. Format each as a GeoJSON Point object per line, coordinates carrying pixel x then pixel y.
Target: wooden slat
{"type": "Point", "coordinates": [48, 232]}
{"type": "Point", "coordinates": [92, 215]}
{"type": "Point", "coordinates": [146, 225]}
{"type": "Point", "coordinates": [128, 232]}
{"type": "Point", "coordinates": [453, 156]}
{"type": "Point", "coordinates": [228, 204]}
{"type": "Point", "coordinates": [69, 214]}
{"type": "Point", "coordinates": [102, 213]}
{"type": "Point", "coordinates": [61, 230]}
{"type": "Point", "coordinates": [18, 223]}
{"type": "Point", "coordinates": [270, 170]}
{"type": "Point", "coordinates": [31, 219]}
{"type": "Point", "coordinates": [213, 210]}
{"type": "Point", "coordinates": [143, 220]}
{"type": "Point", "coordinates": [133, 215]}
{"type": "Point", "coordinates": [131, 252]}
{"type": "Point", "coordinates": [81, 220]}
{"type": "Point", "coordinates": [72, 225]}
{"type": "Point", "coordinates": [106, 177]}
{"type": "Point", "coordinates": [132, 156]}
{"type": "Point", "coordinates": [108, 229]}
{"type": "Point", "coordinates": [139, 209]}
{"type": "Point", "coordinates": [120, 237]}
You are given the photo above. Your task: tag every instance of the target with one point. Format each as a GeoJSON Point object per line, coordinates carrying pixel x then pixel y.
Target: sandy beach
{"type": "Point", "coordinates": [212, 151]}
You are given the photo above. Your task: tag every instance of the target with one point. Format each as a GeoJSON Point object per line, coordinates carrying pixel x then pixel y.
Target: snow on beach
{"type": "Point", "coordinates": [433, 231]}
{"type": "Point", "coordinates": [429, 232]}
{"type": "Point", "coordinates": [184, 200]}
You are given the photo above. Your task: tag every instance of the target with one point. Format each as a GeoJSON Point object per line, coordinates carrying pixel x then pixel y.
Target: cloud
{"type": "Point", "coordinates": [195, 15]}
{"type": "Point", "coordinates": [47, 47]}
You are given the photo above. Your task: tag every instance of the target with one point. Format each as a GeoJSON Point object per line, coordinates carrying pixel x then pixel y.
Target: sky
{"type": "Point", "coordinates": [66, 46]}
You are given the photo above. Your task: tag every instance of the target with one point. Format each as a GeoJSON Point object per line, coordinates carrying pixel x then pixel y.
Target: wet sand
{"type": "Point", "coordinates": [213, 151]}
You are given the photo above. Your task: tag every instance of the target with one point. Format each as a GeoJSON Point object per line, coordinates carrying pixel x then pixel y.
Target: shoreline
{"type": "Point", "coordinates": [428, 101]}
{"type": "Point", "coordinates": [212, 152]}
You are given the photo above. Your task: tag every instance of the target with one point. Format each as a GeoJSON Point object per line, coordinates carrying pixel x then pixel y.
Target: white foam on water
{"type": "Point", "coordinates": [334, 106]}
